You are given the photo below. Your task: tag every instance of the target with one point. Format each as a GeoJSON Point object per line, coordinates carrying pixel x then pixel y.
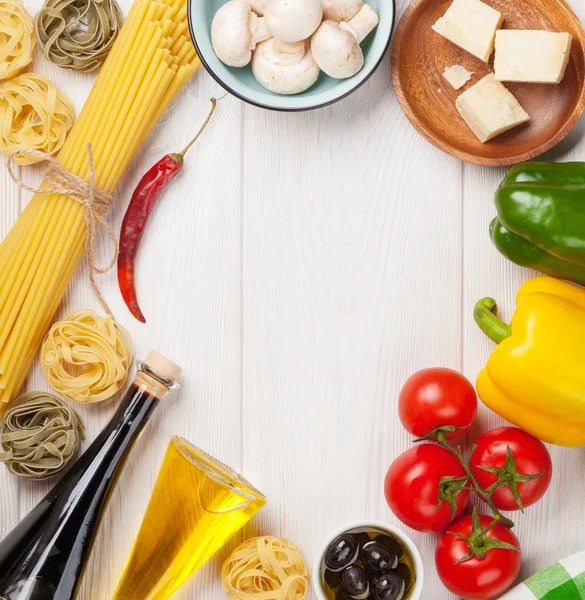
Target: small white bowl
{"type": "Point", "coordinates": [415, 592]}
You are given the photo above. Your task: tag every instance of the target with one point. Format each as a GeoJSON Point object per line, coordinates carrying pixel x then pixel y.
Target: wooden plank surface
{"type": "Point", "coordinates": [299, 270]}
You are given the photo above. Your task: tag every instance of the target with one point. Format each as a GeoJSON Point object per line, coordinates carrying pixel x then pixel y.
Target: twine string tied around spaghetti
{"type": "Point", "coordinates": [97, 203]}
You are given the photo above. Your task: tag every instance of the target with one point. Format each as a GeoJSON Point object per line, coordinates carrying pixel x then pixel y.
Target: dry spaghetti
{"type": "Point", "coordinates": [34, 115]}
{"type": "Point", "coordinates": [265, 568]}
{"type": "Point", "coordinates": [86, 357]}
{"type": "Point", "coordinates": [78, 34]}
{"type": "Point", "coordinates": [17, 39]}
{"type": "Point", "coordinates": [39, 436]}
{"type": "Point", "coordinates": [151, 60]}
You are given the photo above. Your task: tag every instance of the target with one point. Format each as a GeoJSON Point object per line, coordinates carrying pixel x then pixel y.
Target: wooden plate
{"type": "Point", "coordinates": [420, 55]}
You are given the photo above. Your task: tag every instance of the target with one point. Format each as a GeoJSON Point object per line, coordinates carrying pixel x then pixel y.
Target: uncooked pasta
{"type": "Point", "coordinates": [78, 34]}
{"type": "Point", "coordinates": [150, 62]}
{"type": "Point", "coordinates": [17, 40]}
{"type": "Point", "coordinates": [34, 115]}
{"type": "Point", "coordinates": [39, 436]}
{"type": "Point", "coordinates": [265, 568]}
{"type": "Point", "coordinates": [86, 357]}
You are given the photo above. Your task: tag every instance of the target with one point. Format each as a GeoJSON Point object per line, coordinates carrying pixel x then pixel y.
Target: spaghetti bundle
{"type": "Point", "coordinates": [149, 63]}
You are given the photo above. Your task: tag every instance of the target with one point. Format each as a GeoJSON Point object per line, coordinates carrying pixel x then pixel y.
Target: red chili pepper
{"type": "Point", "coordinates": [145, 196]}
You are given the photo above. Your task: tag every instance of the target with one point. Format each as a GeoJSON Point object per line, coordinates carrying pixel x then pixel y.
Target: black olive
{"type": "Point", "coordinates": [391, 543]}
{"type": "Point", "coordinates": [405, 575]}
{"type": "Point", "coordinates": [362, 538]}
{"type": "Point", "coordinates": [355, 582]}
{"type": "Point", "coordinates": [341, 552]}
{"type": "Point", "coordinates": [378, 559]}
{"type": "Point", "coordinates": [332, 578]}
{"type": "Point", "coordinates": [389, 586]}
{"type": "Point", "coordinates": [341, 594]}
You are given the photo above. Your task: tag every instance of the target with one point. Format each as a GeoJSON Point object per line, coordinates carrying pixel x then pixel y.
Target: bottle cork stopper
{"type": "Point", "coordinates": [163, 366]}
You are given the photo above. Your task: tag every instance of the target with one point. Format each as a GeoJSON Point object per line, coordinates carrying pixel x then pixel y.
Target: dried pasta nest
{"type": "Point", "coordinates": [39, 436]}
{"type": "Point", "coordinates": [17, 40]}
{"type": "Point", "coordinates": [34, 115]}
{"type": "Point", "coordinates": [86, 357]}
{"type": "Point", "coordinates": [265, 568]}
{"type": "Point", "coordinates": [78, 34]}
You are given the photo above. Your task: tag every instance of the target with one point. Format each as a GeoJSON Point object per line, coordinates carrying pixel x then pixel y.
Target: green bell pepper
{"type": "Point", "coordinates": [541, 218]}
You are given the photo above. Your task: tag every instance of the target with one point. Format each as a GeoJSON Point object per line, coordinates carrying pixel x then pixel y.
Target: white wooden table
{"type": "Point", "coordinates": [301, 268]}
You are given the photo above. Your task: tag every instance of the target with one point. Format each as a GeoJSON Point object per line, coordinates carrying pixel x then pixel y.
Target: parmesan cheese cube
{"type": "Point", "coordinates": [457, 76]}
{"type": "Point", "coordinates": [490, 109]}
{"type": "Point", "coordinates": [532, 56]}
{"type": "Point", "coordinates": [471, 25]}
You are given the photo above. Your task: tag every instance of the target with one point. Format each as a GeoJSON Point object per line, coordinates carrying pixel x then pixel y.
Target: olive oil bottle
{"type": "Point", "coordinates": [197, 504]}
{"type": "Point", "coordinates": [43, 557]}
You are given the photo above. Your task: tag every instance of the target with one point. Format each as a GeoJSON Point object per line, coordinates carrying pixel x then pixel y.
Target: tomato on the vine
{"type": "Point", "coordinates": [475, 566]}
{"type": "Point", "coordinates": [519, 460]}
{"type": "Point", "coordinates": [437, 398]}
{"type": "Point", "coordinates": [425, 487]}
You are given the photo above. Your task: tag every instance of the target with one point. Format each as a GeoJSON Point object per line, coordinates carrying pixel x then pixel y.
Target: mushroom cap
{"type": "Point", "coordinates": [231, 33]}
{"type": "Point", "coordinates": [336, 51]}
{"type": "Point", "coordinates": [258, 6]}
{"type": "Point", "coordinates": [284, 68]}
{"type": "Point", "coordinates": [341, 10]}
{"type": "Point", "coordinates": [293, 20]}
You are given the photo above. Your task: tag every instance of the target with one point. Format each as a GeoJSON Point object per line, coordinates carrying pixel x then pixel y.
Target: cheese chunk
{"type": "Point", "coordinates": [490, 109]}
{"type": "Point", "coordinates": [471, 25]}
{"type": "Point", "coordinates": [457, 76]}
{"type": "Point", "coordinates": [532, 56]}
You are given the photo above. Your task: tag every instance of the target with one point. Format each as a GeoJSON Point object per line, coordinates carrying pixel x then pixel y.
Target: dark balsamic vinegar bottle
{"type": "Point", "coordinates": [44, 556]}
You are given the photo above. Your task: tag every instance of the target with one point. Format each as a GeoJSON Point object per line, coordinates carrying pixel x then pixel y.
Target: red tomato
{"type": "Point", "coordinates": [476, 578]}
{"type": "Point", "coordinates": [530, 457]}
{"type": "Point", "coordinates": [433, 398]}
{"type": "Point", "coordinates": [412, 487]}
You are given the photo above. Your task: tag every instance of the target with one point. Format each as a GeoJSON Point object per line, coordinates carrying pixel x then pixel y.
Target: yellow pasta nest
{"type": "Point", "coordinates": [34, 115]}
{"type": "Point", "coordinates": [17, 39]}
{"type": "Point", "coordinates": [265, 567]}
{"type": "Point", "coordinates": [86, 357]}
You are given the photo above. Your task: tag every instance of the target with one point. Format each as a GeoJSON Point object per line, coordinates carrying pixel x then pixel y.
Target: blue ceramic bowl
{"type": "Point", "coordinates": [241, 82]}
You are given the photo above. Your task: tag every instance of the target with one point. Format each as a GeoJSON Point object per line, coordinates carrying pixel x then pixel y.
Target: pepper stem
{"type": "Point", "coordinates": [186, 149]}
{"type": "Point", "coordinates": [485, 315]}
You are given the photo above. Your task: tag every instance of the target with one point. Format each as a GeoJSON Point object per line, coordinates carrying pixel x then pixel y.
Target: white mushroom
{"type": "Point", "coordinates": [284, 67]}
{"type": "Point", "coordinates": [258, 6]}
{"type": "Point", "coordinates": [235, 31]}
{"type": "Point", "coordinates": [341, 10]}
{"type": "Point", "coordinates": [293, 20]}
{"type": "Point", "coordinates": [336, 46]}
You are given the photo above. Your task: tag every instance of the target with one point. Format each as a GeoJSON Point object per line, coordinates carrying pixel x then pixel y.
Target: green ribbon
{"type": "Point", "coordinates": [39, 436]}
{"type": "Point", "coordinates": [78, 34]}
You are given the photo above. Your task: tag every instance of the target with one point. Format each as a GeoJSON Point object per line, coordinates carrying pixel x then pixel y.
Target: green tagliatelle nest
{"type": "Point", "coordinates": [78, 34]}
{"type": "Point", "coordinates": [39, 436]}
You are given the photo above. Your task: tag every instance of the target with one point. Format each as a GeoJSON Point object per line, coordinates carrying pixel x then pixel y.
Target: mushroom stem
{"type": "Point", "coordinates": [363, 23]}
{"type": "Point", "coordinates": [288, 53]}
{"type": "Point", "coordinates": [259, 30]}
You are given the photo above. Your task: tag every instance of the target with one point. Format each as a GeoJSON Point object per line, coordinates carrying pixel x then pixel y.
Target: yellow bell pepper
{"type": "Point", "coordinates": [536, 376]}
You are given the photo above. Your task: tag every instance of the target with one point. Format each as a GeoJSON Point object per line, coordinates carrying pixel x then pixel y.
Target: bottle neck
{"type": "Point", "coordinates": [153, 382]}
